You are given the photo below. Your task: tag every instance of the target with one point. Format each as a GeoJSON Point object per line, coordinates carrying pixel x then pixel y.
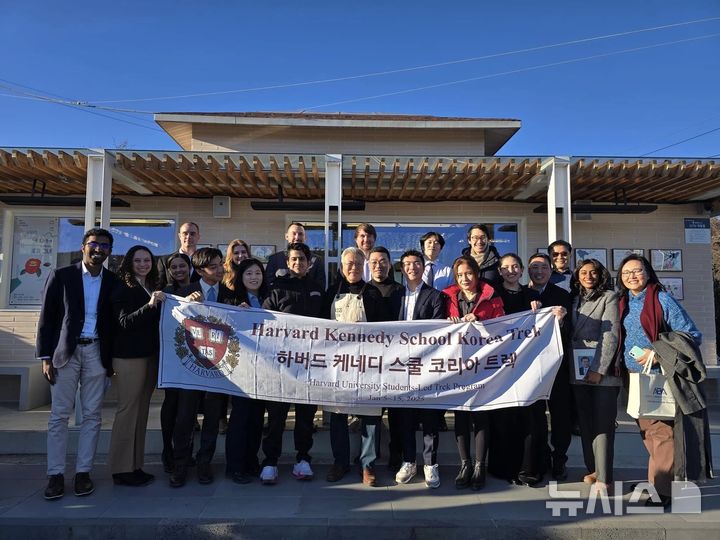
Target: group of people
{"type": "Point", "coordinates": [95, 324]}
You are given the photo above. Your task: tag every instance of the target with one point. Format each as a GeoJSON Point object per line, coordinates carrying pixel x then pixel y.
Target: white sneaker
{"type": "Point", "coordinates": [302, 470]}
{"type": "Point", "coordinates": [432, 476]}
{"type": "Point", "coordinates": [269, 475]}
{"type": "Point", "coordinates": [406, 473]}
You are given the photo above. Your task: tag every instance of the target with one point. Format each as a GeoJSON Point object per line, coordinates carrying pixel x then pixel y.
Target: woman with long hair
{"type": "Point", "coordinates": [244, 432]}
{"type": "Point", "coordinates": [237, 251]}
{"type": "Point", "coordinates": [178, 265]}
{"type": "Point", "coordinates": [596, 387]}
{"type": "Point", "coordinates": [647, 313]}
{"type": "Point", "coordinates": [471, 299]}
{"type": "Point", "coordinates": [136, 305]}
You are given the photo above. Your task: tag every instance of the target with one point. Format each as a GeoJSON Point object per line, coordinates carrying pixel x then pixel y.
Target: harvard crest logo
{"type": "Point", "coordinates": [207, 346]}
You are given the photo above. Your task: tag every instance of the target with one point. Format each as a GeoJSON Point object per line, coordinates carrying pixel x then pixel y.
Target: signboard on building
{"type": "Point", "coordinates": [697, 230]}
{"type": "Point", "coordinates": [34, 255]}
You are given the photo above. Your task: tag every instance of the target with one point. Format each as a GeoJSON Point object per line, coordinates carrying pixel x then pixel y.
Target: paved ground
{"type": "Point", "coordinates": [320, 510]}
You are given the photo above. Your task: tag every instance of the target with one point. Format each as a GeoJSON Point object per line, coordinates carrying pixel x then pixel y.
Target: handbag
{"type": "Point", "coordinates": [649, 395]}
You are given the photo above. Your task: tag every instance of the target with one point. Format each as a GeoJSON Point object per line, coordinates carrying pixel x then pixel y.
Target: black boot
{"type": "Point", "coordinates": [462, 480]}
{"type": "Point", "coordinates": [478, 476]}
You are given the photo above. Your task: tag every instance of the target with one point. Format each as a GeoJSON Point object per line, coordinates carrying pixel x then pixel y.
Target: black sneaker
{"type": "Point", "coordinates": [178, 476]}
{"type": "Point", "coordinates": [83, 485]}
{"type": "Point", "coordinates": [559, 471]}
{"type": "Point", "coordinates": [241, 478]}
{"type": "Point", "coordinates": [463, 478]}
{"type": "Point", "coordinates": [143, 477]}
{"type": "Point", "coordinates": [55, 488]}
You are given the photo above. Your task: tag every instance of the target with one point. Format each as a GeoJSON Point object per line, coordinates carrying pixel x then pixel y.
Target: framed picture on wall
{"type": "Point", "coordinates": [262, 252]}
{"type": "Point", "coordinates": [223, 248]}
{"type": "Point", "coordinates": [674, 287]}
{"type": "Point", "coordinates": [542, 250]}
{"type": "Point", "coordinates": [590, 253]}
{"type": "Point", "coordinates": [666, 260]}
{"type": "Point", "coordinates": [619, 254]}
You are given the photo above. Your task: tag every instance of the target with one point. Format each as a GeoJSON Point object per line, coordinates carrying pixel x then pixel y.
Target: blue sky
{"type": "Point", "coordinates": [630, 103]}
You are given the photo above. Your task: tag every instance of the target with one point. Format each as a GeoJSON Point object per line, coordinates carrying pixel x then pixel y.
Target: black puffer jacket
{"type": "Point", "coordinates": [299, 296]}
{"type": "Point", "coordinates": [489, 268]}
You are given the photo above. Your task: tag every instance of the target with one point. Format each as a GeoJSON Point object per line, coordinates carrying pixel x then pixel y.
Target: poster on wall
{"type": "Point", "coordinates": [697, 230]}
{"type": "Point", "coordinates": [34, 255]}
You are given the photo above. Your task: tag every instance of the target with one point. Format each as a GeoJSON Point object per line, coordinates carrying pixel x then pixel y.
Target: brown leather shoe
{"type": "Point", "coordinates": [369, 477]}
{"type": "Point", "coordinates": [337, 472]}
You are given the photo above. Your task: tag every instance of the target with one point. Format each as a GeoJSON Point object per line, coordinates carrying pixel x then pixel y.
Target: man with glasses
{"type": "Point", "coordinates": [392, 292]}
{"type": "Point", "coordinates": [560, 252]}
{"type": "Point", "coordinates": [481, 249]}
{"type": "Point", "coordinates": [560, 404]}
{"type": "Point", "coordinates": [419, 302]}
{"type": "Point", "coordinates": [74, 343]}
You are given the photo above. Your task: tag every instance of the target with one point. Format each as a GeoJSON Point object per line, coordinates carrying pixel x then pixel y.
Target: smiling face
{"type": "Point", "coordinates": [588, 276]}
{"type": "Point", "coordinates": [252, 278]}
{"type": "Point", "coordinates": [295, 234]}
{"type": "Point", "coordinates": [365, 241]}
{"type": "Point", "coordinates": [511, 271]}
{"type": "Point", "coordinates": [239, 254]}
{"type": "Point", "coordinates": [634, 276]}
{"type": "Point", "coordinates": [141, 263]}
{"type": "Point", "coordinates": [180, 271]}
{"type": "Point", "coordinates": [561, 258]}
{"type": "Point", "coordinates": [466, 279]}
{"type": "Point", "coordinates": [189, 236]}
{"type": "Point", "coordinates": [431, 248]}
{"type": "Point", "coordinates": [95, 250]}
{"type": "Point", "coordinates": [297, 262]}
{"type": "Point", "coordinates": [379, 266]}
{"type": "Point", "coordinates": [539, 271]}
{"type": "Point", "coordinates": [412, 269]}
{"type": "Point", "coordinates": [479, 242]}
{"type": "Point", "coordinates": [352, 267]}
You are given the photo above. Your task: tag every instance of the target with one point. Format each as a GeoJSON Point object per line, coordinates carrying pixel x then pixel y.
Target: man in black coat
{"type": "Point", "coordinates": [299, 294]}
{"type": "Point", "coordinates": [74, 343]}
{"type": "Point", "coordinates": [419, 302]}
{"type": "Point", "coordinates": [561, 403]}
{"type": "Point", "coordinates": [208, 264]}
{"type": "Point", "coordinates": [277, 263]}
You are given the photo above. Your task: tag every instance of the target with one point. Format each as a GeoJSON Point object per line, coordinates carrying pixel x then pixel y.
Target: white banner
{"type": "Point", "coordinates": [504, 362]}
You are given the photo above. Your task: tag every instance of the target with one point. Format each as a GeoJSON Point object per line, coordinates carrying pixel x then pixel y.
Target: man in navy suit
{"type": "Point", "coordinates": [277, 263]}
{"type": "Point", "coordinates": [419, 302]}
{"type": "Point", "coordinates": [74, 343]}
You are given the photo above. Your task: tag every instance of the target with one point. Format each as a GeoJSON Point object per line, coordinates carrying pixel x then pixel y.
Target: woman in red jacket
{"type": "Point", "coordinates": [471, 299]}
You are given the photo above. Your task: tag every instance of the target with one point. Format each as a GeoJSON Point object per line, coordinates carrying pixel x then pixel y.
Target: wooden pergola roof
{"type": "Point", "coordinates": [365, 178]}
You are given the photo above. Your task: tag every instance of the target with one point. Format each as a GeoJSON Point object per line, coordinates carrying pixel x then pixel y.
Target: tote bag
{"type": "Point", "coordinates": [649, 396]}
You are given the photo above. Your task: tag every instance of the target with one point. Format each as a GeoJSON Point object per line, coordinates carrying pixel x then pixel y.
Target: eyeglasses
{"type": "Point", "coordinates": [633, 273]}
{"type": "Point", "coordinates": [102, 245]}
{"type": "Point", "coordinates": [557, 254]}
{"type": "Point", "coordinates": [478, 238]}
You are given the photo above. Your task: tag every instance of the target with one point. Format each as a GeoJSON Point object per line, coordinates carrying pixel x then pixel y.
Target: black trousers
{"type": "Point", "coordinates": [562, 408]}
{"type": "Point", "coordinates": [303, 433]}
{"type": "Point", "coordinates": [214, 406]}
{"type": "Point", "coordinates": [244, 433]}
{"type": "Point", "coordinates": [396, 437]}
{"type": "Point", "coordinates": [430, 419]}
{"type": "Point", "coordinates": [472, 426]}
{"type": "Point", "coordinates": [168, 414]}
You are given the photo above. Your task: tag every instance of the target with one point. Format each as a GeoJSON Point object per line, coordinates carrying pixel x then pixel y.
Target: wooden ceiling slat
{"type": "Point", "coordinates": [247, 173]}
{"type": "Point", "coordinates": [379, 179]}
{"type": "Point", "coordinates": [220, 173]}
{"type": "Point", "coordinates": [443, 188]}
{"type": "Point", "coordinates": [394, 178]}
{"type": "Point", "coordinates": [289, 173]}
{"type": "Point", "coordinates": [177, 178]}
{"type": "Point", "coordinates": [406, 178]}
{"type": "Point", "coordinates": [260, 173]}
{"type": "Point", "coordinates": [302, 169]}
{"type": "Point", "coordinates": [353, 177]}
{"type": "Point", "coordinates": [437, 171]}
{"type": "Point", "coordinates": [318, 191]}
{"type": "Point", "coordinates": [235, 176]}
{"type": "Point", "coordinates": [202, 170]}
{"type": "Point", "coordinates": [366, 179]}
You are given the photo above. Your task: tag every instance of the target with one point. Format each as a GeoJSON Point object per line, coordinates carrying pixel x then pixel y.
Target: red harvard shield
{"type": "Point", "coordinates": [207, 341]}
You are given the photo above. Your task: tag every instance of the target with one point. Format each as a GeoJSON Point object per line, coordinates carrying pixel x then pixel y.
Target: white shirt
{"type": "Point", "coordinates": [91, 294]}
{"type": "Point", "coordinates": [205, 288]}
{"type": "Point", "coordinates": [408, 305]}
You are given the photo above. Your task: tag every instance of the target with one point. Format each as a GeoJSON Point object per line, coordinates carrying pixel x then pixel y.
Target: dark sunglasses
{"type": "Point", "coordinates": [102, 245]}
